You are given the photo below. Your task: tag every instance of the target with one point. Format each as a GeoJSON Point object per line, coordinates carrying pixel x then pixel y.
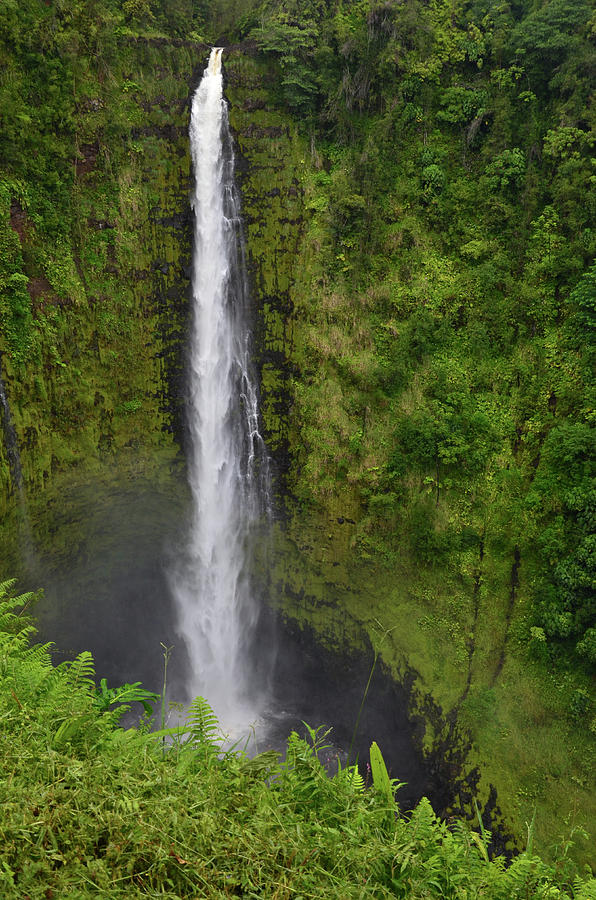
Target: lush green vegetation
{"type": "Point", "coordinates": [92, 809]}
{"type": "Point", "coordinates": [422, 199]}
{"type": "Point", "coordinates": [448, 348]}
{"type": "Point", "coordinates": [93, 174]}
{"type": "Point", "coordinates": [440, 419]}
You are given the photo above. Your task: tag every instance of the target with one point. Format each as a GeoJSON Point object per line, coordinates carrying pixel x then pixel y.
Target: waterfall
{"type": "Point", "coordinates": [227, 460]}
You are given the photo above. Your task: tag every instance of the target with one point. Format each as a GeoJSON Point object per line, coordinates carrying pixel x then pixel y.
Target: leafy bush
{"type": "Point", "coordinates": [433, 181]}
{"type": "Point", "coordinates": [91, 809]}
{"type": "Point", "coordinates": [579, 704]}
{"type": "Point", "coordinates": [506, 170]}
{"type": "Point", "coordinates": [460, 105]}
{"type": "Point", "coordinates": [564, 501]}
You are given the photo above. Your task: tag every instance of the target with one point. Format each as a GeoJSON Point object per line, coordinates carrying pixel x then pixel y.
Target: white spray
{"type": "Point", "coordinates": [227, 462]}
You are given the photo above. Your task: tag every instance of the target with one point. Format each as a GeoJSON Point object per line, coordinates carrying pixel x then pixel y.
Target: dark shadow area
{"type": "Point", "coordinates": [323, 687]}
{"type": "Point", "coordinates": [320, 687]}
{"type": "Point", "coordinates": [106, 590]}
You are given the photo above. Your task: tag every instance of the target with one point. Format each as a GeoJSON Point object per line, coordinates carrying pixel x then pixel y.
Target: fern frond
{"type": "Point", "coordinates": [12, 620]}
{"type": "Point", "coordinates": [261, 765]}
{"type": "Point", "coordinates": [202, 724]}
{"type": "Point", "coordinates": [381, 779]}
{"type": "Point", "coordinates": [86, 728]}
{"type": "Point", "coordinates": [6, 587]}
{"type": "Point", "coordinates": [81, 671]}
{"type": "Point", "coordinates": [125, 693]}
{"type": "Point", "coordinates": [354, 778]}
{"type": "Point", "coordinates": [31, 669]}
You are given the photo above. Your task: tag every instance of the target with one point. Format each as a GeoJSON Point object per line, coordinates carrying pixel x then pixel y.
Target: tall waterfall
{"type": "Point", "coordinates": [227, 460]}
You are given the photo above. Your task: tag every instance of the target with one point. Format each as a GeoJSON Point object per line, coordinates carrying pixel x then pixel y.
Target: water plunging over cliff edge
{"type": "Point", "coordinates": [227, 460]}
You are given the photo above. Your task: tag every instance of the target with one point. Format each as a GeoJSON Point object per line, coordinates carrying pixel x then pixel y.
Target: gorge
{"type": "Point", "coordinates": [416, 211]}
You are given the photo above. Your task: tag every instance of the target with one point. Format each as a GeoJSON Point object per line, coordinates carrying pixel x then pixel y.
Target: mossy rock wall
{"type": "Point", "coordinates": [455, 625]}
{"type": "Point", "coordinates": [97, 385]}
{"type": "Point", "coordinates": [270, 164]}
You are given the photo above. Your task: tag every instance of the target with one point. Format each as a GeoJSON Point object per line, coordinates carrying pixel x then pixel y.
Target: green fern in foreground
{"type": "Point", "coordinates": [106, 697]}
{"type": "Point", "coordinates": [92, 810]}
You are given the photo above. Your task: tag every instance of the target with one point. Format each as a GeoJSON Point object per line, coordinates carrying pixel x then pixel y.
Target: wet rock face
{"type": "Point", "coordinates": [268, 151]}
{"type": "Point", "coordinates": [119, 283]}
{"type": "Point", "coordinates": [18, 219]}
{"type": "Point", "coordinates": [9, 457]}
{"type": "Point", "coordinates": [340, 688]}
{"type": "Point", "coordinates": [86, 159]}
{"type": "Point", "coordinates": [326, 687]}
{"type": "Point", "coordinates": [127, 290]}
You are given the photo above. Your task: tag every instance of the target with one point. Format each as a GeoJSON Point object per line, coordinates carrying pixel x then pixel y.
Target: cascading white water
{"type": "Point", "coordinates": [227, 461]}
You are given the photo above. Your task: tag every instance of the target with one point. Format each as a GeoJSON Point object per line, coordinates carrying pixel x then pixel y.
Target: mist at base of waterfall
{"type": "Point", "coordinates": [106, 590]}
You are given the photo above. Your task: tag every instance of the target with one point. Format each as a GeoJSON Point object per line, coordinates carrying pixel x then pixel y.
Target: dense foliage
{"type": "Point", "coordinates": [441, 373]}
{"type": "Point", "coordinates": [448, 364]}
{"type": "Point", "coordinates": [67, 102]}
{"type": "Point", "coordinates": [92, 809]}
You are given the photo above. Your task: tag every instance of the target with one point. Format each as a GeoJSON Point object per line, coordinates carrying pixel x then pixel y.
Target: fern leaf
{"type": "Point", "coordinates": [81, 671]}
{"type": "Point", "coordinates": [354, 779]}
{"type": "Point", "coordinates": [260, 765]}
{"type": "Point", "coordinates": [380, 775]}
{"type": "Point", "coordinates": [202, 723]}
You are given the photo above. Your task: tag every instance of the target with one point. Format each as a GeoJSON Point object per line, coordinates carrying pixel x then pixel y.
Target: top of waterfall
{"type": "Point", "coordinates": [214, 66]}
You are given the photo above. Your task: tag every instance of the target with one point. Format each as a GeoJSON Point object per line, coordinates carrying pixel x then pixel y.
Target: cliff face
{"type": "Point", "coordinates": [426, 567]}
{"type": "Point", "coordinates": [94, 375]}
{"type": "Point", "coordinates": [408, 428]}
